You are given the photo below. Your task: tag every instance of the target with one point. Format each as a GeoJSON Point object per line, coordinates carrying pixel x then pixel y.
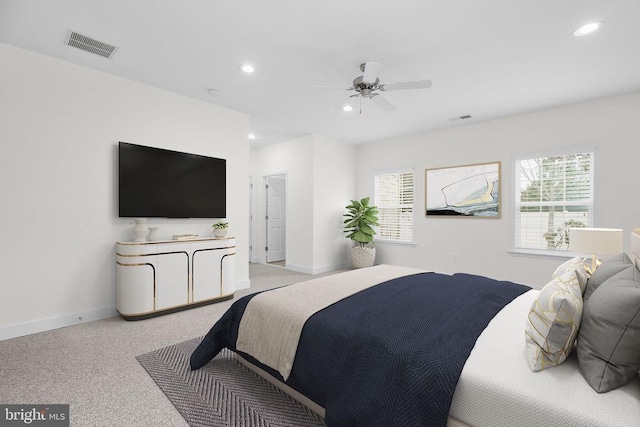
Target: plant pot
{"type": "Point", "coordinates": [362, 256]}
{"type": "Point", "coordinates": [219, 232]}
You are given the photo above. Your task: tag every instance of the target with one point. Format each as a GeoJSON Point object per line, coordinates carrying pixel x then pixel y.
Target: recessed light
{"type": "Point", "coordinates": [252, 136]}
{"type": "Point", "coordinates": [588, 28]}
{"type": "Point", "coordinates": [213, 92]}
{"type": "Point", "coordinates": [247, 68]}
{"type": "Point", "coordinates": [347, 108]}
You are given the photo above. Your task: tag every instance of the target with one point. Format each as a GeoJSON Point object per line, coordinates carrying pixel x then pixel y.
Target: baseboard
{"type": "Point", "coordinates": [298, 268]}
{"type": "Point", "coordinates": [328, 268]}
{"type": "Point", "coordinates": [316, 270]}
{"type": "Point", "coordinates": [55, 322]}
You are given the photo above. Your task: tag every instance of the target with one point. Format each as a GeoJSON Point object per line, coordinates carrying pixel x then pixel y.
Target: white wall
{"type": "Point", "coordinates": [334, 184]}
{"type": "Point", "coordinates": [59, 128]}
{"type": "Point", "coordinates": [321, 181]}
{"type": "Point", "coordinates": [480, 246]}
{"type": "Point", "coordinates": [295, 159]}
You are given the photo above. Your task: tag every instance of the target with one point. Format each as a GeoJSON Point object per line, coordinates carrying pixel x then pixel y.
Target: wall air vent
{"type": "Point", "coordinates": [90, 45]}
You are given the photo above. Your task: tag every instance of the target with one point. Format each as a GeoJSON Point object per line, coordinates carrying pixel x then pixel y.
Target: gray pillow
{"type": "Point", "coordinates": [608, 268]}
{"type": "Point", "coordinates": [609, 337]}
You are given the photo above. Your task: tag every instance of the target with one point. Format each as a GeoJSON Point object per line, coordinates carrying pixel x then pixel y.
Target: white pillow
{"type": "Point", "coordinates": [577, 264]}
{"type": "Point", "coordinates": [553, 322]}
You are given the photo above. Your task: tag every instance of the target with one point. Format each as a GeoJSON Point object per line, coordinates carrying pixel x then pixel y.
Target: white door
{"type": "Point", "coordinates": [276, 188]}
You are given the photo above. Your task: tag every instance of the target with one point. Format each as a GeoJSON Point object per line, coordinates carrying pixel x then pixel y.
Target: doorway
{"type": "Point", "coordinates": [275, 218]}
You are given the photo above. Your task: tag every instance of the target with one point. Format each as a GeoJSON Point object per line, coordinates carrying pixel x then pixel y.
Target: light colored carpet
{"type": "Point", "coordinates": [278, 263]}
{"type": "Point", "coordinates": [93, 366]}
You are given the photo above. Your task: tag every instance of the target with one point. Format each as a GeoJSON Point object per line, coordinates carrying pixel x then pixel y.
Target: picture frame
{"type": "Point", "coordinates": [463, 191]}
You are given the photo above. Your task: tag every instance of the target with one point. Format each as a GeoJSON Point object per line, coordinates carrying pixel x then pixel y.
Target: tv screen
{"type": "Point", "coordinates": [157, 183]}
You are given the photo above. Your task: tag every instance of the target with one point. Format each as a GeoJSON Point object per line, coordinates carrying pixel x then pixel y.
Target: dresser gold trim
{"type": "Point", "coordinates": [181, 307]}
{"type": "Point", "coordinates": [221, 261]}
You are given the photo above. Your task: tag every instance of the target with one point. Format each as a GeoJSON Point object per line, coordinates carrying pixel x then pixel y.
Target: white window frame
{"type": "Point", "coordinates": [516, 203]}
{"type": "Point", "coordinates": [377, 203]}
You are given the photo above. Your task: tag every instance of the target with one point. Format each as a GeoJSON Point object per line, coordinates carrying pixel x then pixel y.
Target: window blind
{"type": "Point", "coordinates": [552, 194]}
{"type": "Point", "coordinates": [394, 200]}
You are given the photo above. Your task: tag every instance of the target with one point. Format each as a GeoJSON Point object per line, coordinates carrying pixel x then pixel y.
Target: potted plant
{"type": "Point", "coordinates": [359, 223]}
{"type": "Point", "coordinates": [220, 229]}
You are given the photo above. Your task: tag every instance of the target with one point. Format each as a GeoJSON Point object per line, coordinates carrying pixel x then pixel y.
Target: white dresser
{"type": "Point", "coordinates": [154, 278]}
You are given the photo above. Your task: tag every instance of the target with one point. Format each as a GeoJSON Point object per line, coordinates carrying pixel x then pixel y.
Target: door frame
{"type": "Point", "coordinates": [250, 219]}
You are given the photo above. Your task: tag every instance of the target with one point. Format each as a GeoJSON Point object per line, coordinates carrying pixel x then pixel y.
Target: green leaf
{"type": "Point", "coordinates": [372, 219]}
{"type": "Point", "coordinates": [359, 236]}
{"type": "Point", "coordinates": [351, 223]}
{"type": "Point", "coordinates": [367, 230]}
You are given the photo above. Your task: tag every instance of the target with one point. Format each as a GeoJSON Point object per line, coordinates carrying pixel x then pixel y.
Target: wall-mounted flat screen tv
{"type": "Point", "coordinates": [158, 183]}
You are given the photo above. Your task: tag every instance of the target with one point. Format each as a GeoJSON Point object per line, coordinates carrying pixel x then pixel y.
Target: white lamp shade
{"type": "Point", "coordinates": [600, 241]}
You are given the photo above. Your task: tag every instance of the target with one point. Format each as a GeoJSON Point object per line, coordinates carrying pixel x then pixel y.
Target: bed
{"type": "Point", "coordinates": [484, 379]}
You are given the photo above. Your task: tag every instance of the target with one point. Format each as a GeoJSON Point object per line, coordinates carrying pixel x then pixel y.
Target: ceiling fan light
{"type": "Point", "coordinates": [587, 28]}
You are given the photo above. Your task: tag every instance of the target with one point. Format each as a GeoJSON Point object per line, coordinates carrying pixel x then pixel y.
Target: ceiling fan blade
{"type": "Point", "coordinates": [383, 103]}
{"type": "Point", "coordinates": [418, 84]}
{"type": "Point", "coordinates": [371, 70]}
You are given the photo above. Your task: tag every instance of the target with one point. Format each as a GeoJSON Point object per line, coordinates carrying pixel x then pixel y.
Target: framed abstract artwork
{"type": "Point", "coordinates": [469, 190]}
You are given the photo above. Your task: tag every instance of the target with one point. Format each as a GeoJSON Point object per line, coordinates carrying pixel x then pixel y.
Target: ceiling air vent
{"type": "Point", "coordinates": [90, 45]}
{"type": "Point", "coordinates": [466, 116]}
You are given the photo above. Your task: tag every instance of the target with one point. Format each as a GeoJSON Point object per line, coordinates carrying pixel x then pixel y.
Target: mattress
{"type": "Point", "coordinates": [497, 388]}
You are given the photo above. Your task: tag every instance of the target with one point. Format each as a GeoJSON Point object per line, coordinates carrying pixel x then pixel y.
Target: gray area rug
{"type": "Point", "coordinates": [223, 392]}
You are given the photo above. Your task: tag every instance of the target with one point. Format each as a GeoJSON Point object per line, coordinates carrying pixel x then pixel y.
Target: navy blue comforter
{"type": "Point", "coordinates": [390, 355]}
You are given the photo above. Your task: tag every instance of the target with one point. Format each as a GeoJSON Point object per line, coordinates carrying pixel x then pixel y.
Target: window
{"type": "Point", "coordinates": [552, 194]}
{"type": "Point", "coordinates": [394, 200]}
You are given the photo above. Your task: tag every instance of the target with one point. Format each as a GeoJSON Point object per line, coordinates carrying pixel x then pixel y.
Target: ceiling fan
{"type": "Point", "coordinates": [368, 86]}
